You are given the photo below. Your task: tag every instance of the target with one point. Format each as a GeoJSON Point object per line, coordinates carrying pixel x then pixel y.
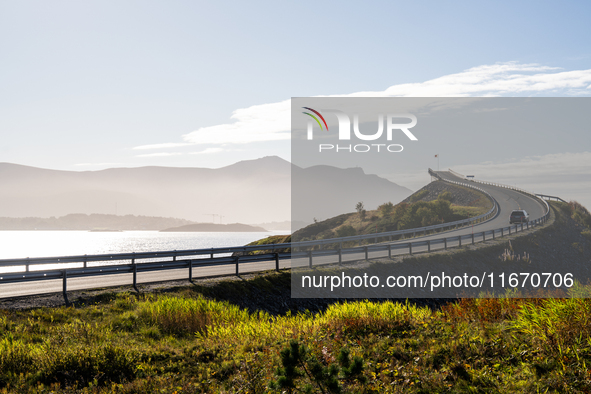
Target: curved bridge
{"type": "Point", "coordinates": [40, 275]}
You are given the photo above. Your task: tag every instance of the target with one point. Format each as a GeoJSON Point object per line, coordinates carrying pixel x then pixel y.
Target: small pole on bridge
{"type": "Point", "coordinates": [134, 273]}
{"type": "Point", "coordinates": [65, 286]}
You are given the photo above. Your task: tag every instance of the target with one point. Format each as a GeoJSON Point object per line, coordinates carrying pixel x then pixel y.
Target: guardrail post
{"type": "Point", "coordinates": [27, 266]}
{"type": "Point", "coordinates": [276, 261]}
{"type": "Point", "coordinates": [310, 258]}
{"type": "Point", "coordinates": [521, 226]}
{"type": "Point", "coordinates": [134, 273]}
{"type": "Point", "coordinates": [174, 256]}
{"type": "Point", "coordinates": [190, 270]}
{"type": "Point", "coordinates": [483, 236]}
{"type": "Point", "coordinates": [493, 234]}
{"type": "Point", "coordinates": [509, 230]}
{"type": "Point", "coordinates": [445, 243]}
{"type": "Point", "coordinates": [389, 251]}
{"type": "Point", "coordinates": [472, 238]}
{"type": "Point", "coordinates": [428, 246]}
{"type": "Point", "coordinates": [237, 259]}
{"type": "Point", "coordinates": [211, 253]}
{"type": "Point", "coordinates": [366, 253]}
{"type": "Point", "coordinates": [85, 261]}
{"type": "Point", "coordinates": [65, 287]}
{"type": "Point", "coordinates": [340, 253]}
{"type": "Point", "coordinates": [460, 241]}
{"type": "Point", "coordinates": [410, 248]}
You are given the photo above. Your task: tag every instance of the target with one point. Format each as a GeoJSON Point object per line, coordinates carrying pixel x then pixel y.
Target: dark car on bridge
{"type": "Point", "coordinates": [519, 216]}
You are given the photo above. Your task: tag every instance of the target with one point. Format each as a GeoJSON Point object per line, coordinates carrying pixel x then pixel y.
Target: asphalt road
{"type": "Point", "coordinates": [508, 200]}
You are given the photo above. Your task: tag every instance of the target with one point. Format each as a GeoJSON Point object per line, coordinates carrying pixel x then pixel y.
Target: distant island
{"type": "Point", "coordinates": [212, 227]}
{"type": "Point", "coordinates": [94, 222]}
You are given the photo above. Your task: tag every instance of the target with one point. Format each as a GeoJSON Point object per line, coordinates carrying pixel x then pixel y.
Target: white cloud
{"type": "Point", "coordinates": [98, 164]}
{"type": "Point", "coordinates": [161, 154]}
{"type": "Point", "coordinates": [208, 151]}
{"type": "Point", "coordinates": [162, 146]}
{"type": "Point", "coordinates": [271, 122]}
{"type": "Point", "coordinates": [266, 122]}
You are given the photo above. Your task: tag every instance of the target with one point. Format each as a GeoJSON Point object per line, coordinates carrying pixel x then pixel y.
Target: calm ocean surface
{"type": "Point", "coordinates": [22, 244]}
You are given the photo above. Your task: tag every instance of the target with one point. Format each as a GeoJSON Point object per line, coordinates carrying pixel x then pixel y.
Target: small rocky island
{"type": "Point", "coordinates": [212, 227]}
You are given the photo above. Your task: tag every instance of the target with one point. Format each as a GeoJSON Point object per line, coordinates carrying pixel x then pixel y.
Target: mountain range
{"type": "Point", "coordinates": [252, 191]}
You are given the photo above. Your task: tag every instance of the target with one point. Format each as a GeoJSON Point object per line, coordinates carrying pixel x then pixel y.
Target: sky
{"type": "Point", "coordinates": [98, 84]}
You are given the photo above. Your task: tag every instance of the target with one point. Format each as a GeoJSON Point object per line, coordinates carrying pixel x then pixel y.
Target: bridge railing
{"type": "Point", "coordinates": [30, 269]}
{"type": "Point", "coordinates": [533, 195]}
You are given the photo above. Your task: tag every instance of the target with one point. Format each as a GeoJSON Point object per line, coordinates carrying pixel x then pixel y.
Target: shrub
{"type": "Point", "coordinates": [346, 231]}
{"type": "Point", "coordinates": [446, 196]}
{"type": "Point", "coordinates": [418, 195]}
{"type": "Point", "coordinates": [386, 208]}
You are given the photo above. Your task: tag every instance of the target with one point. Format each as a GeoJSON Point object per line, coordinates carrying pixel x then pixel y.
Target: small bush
{"type": "Point", "coordinates": [418, 195]}
{"type": "Point", "coordinates": [346, 231]}
{"type": "Point", "coordinates": [187, 316]}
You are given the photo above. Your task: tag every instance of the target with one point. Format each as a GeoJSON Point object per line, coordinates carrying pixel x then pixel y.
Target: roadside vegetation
{"type": "Point", "coordinates": [390, 217]}
{"type": "Point", "coordinates": [185, 341]}
{"type": "Point", "coordinates": [187, 344]}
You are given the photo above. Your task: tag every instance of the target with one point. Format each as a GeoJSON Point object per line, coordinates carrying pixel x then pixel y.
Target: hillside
{"type": "Point", "coordinates": [435, 203]}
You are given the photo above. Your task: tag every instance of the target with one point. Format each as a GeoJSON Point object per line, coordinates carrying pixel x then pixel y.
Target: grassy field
{"type": "Point", "coordinates": [184, 342]}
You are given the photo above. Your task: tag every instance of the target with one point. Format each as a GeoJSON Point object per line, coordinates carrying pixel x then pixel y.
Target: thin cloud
{"type": "Point", "coordinates": [271, 122]}
{"type": "Point", "coordinates": [98, 164]}
{"type": "Point", "coordinates": [162, 146]}
{"type": "Point", "coordinates": [208, 151]}
{"type": "Point", "coordinates": [161, 154]}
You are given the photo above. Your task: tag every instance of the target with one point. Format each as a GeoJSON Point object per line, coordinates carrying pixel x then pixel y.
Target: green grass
{"type": "Point", "coordinates": [183, 342]}
{"type": "Point", "coordinates": [168, 343]}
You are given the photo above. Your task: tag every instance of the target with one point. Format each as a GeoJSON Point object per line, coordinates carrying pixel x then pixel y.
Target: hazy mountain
{"type": "Point", "coordinates": [322, 192]}
{"type": "Point", "coordinates": [253, 191]}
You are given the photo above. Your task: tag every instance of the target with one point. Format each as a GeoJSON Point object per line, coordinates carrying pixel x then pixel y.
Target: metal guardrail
{"type": "Point", "coordinates": [535, 196]}
{"type": "Point", "coordinates": [550, 198]}
{"type": "Point", "coordinates": [32, 269]}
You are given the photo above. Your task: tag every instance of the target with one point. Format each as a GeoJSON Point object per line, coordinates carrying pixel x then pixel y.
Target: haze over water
{"type": "Point", "coordinates": [22, 244]}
